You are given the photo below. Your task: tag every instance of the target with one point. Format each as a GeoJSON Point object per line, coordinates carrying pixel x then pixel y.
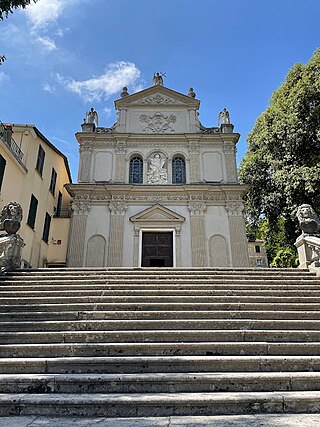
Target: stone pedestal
{"type": "Point", "coordinates": [10, 251]}
{"type": "Point", "coordinates": [227, 128]}
{"type": "Point", "coordinates": [88, 127]}
{"type": "Point", "coordinates": [308, 248]}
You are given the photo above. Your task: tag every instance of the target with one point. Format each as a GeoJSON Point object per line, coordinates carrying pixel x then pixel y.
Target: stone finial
{"type": "Point", "coordinates": [124, 92]}
{"type": "Point", "coordinates": [224, 117]}
{"type": "Point", "coordinates": [309, 221]}
{"type": "Point", "coordinates": [191, 93]}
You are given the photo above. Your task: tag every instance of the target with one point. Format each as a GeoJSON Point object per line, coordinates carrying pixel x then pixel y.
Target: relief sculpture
{"type": "Point", "coordinates": [157, 173]}
{"type": "Point", "coordinates": [158, 122]}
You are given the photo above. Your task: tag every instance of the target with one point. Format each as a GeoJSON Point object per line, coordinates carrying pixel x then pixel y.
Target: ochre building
{"type": "Point", "coordinates": [157, 189]}
{"type": "Point", "coordinates": [33, 173]}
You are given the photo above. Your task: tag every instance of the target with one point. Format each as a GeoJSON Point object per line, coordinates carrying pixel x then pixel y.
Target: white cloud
{"type": "Point", "coordinates": [116, 76]}
{"type": "Point", "coordinates": [48, 88]}
{"type": "Point", "coordinates": [4, 77]}
{"type": "Point", "coordinates": [44, 12]}
{"type": "Point", "coordinates": [47, 43]}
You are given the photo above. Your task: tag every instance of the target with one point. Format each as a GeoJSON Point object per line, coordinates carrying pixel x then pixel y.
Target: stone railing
{"type": "Point", "coordinates": [308, 250]}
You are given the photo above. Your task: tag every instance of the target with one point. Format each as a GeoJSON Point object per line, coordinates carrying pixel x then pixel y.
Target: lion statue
{"type": "Point", "coordinates": [308, 220]}
{"type": "Point", "coordinates": [11, 217]}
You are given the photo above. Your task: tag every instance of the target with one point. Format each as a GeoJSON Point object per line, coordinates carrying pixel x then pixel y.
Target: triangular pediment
{"type": "Point", "coordinates": [157, 95]}
{"type": "Point", "coordinates": [157, 213]}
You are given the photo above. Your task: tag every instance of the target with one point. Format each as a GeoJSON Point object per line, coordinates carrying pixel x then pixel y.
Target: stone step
{"type": "Point", "coordinates": [166, 324]}
{"type": "Point", "coordinates": [242, 420]}
{"type": "Point", "coordinates": [158, 299]}
{"type": "Point", "coordinates": [193, 382]}
{"type": "Point", "coordinates": [161, 270]}
{"type": "Point", "coordinates": [195, 306]}
{"type": "Point", "coordinates": [197, 348]}
{"type": "Point", "coordinates": [228, 282]}
{"type": "Point", "coordinates": [159, 404]}
{"type": "Point", "coordinates": [54, 293]}
{"type": "Point", "coordinates": [20, 317]}
{"type": "Point", "coordinates": [94, 288]}
{"type": "Point", "coordinates": [160, 336]}
{"type": "Point", "coordinates": [158, 364]}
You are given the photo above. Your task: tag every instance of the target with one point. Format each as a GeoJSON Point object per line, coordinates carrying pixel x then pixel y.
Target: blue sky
{"type": "Point", "coordinates": [64, 56]}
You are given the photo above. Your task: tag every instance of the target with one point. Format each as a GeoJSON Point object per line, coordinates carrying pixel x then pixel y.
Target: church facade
{"type": "Point", "coordinates": [157, 189]}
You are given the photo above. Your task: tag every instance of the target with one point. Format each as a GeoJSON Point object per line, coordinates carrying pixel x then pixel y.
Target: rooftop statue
{"type": "Point", "coordinates": [124, 92]}
{"type": "Point", "coordinates": [224, 117]}
{"type": "Point", "coordinates": [191, 93]}
{"type": "Point", "coordinates": [92, 116]}
{"type": "Point", "coordinates": [158, 79]}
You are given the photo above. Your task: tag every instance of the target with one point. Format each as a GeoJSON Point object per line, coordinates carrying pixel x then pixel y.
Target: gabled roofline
{"type": "Point", "coordinates": [185, 99]}
{"type": "Point", "coordinates": [46, 141]}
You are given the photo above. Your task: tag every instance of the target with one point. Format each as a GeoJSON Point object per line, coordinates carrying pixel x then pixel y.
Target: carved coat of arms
{"type": "Point", "coordinates": [158, 122]}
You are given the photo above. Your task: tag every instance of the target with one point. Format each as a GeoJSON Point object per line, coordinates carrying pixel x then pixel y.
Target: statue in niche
{"type": "Point", "coordinates": [92, 116]}
{"type": "Point", "coordinates": [157, 173]}
{"type": "Point", "coordinates": [309, 221]}
{"type": "Point", "coordinates": [157, 79]}
{"type": "Point", "coordinates": [224, 117]}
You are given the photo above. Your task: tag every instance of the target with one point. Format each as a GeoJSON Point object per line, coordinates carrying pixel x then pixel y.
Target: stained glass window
{"type": "Point", "coordinates": [136, 170]}
{"type": "Point", "coordinates": [178, 170]}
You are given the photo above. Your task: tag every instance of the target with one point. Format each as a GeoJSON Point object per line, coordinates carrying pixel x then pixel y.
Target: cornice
{"type": "Point", "coordinates": [131, 140]}
{"type": "Point", "coordinates": [209, 193]}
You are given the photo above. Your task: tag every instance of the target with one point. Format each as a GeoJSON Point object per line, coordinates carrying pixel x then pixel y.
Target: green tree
{"type": "Point", "coordinates": [7, 7]}
{"type": "Point", "coordinates": [282, 164]}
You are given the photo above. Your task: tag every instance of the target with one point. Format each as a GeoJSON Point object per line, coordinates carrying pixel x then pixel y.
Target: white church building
{"type": "Point", "coordinates": [157, 189]}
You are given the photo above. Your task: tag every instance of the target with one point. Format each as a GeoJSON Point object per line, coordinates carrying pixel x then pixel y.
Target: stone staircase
{"type": "Point", "coordinates": [123, 342]}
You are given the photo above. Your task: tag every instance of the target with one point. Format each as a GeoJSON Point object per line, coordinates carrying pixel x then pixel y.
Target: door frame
{"type": "Point", "coordinates": [158, 230]}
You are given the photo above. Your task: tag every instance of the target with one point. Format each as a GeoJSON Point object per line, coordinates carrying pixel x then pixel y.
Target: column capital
{"type": "Point", "coordinates": [234, 209]}
{"type": "Point", "coordinates": [121, 147]}
{"type": "Point", "coordinates": [197, 208]}
{"type": "Point", "coordinates": [118, 208]}
{"type": "Point", "coordinates": [80, 208]}
{"type": "Point", "coordinates": [85, 149]}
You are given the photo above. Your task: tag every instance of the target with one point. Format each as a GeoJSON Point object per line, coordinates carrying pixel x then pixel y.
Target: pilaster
{"type": "Point", "coordinates": [120, 169]}
{"type": "Point", "coordinates": [118, 211]}
{"type": "Point", "coordinates": [194, 156]}
{"type": "Point", "coordinates": [229, 150]}
{"type": "Point", "coordinates": [85, 164]}
{"type": "Point", "coordinates": [198, 237]}
{"type": "Point", "coordinates": [75, 256]}
{"type": "Point", "coordinates": [238, 240]}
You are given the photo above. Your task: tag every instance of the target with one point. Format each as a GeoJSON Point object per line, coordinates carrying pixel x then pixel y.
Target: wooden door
{"type": "Point", "coordinates": [157, 249]}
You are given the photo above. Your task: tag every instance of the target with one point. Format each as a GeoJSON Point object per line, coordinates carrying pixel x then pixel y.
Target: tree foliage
{"type": "Point", "coordinates": [7, 7]}
{"type": "Point", "coordinates": [282, 164]}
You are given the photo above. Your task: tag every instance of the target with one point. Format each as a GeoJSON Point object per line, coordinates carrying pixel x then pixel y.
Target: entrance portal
{"type": "Point", "coordinates": [157, 249]}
